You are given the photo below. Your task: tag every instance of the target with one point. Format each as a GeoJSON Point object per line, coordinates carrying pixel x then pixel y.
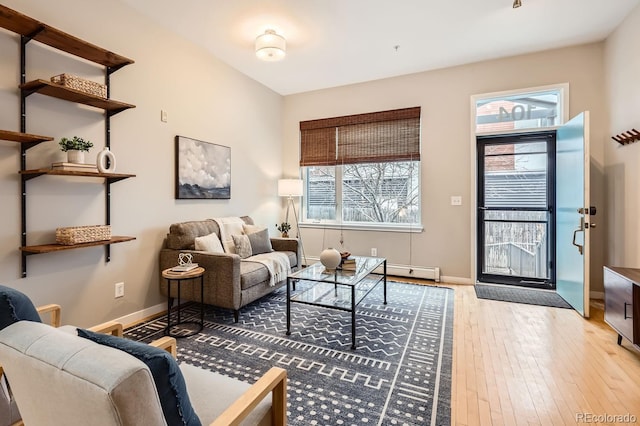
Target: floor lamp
{"type": "Point", "coordinates": [292, 188]}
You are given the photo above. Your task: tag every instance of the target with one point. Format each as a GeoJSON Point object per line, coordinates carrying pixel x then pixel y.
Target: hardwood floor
{"type": "Point", "coordinates": [516, 364]}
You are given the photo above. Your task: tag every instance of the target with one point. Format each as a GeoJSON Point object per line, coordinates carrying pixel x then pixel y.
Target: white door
{"type": "Point", "coordinates": [573, 212]}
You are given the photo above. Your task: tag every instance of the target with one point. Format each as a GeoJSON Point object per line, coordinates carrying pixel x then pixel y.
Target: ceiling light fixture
{"type": "Point", "coordinates": [270, 46]}
{"type": "Point", "coordinates": [517, 3]}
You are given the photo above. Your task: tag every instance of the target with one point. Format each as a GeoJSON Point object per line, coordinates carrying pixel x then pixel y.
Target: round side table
{"type": "Point", "coordinates": [179, 277]}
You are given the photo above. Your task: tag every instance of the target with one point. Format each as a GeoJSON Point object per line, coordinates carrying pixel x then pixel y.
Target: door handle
{"type": "Point", "coordinates": [575, 232]}
{"type": "Point", "coordinates": [574, 241]}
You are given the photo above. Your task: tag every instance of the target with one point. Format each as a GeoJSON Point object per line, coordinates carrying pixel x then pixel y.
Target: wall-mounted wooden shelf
{"type": "Point", "coordinates": [48, 248]}
{"type": "Point", "coordinates": [45, 34]}
{"type": "Point", "coordinates": [111, 177]}
{"type": "Point", "coordinates": [8, 135]}
{"type": "Point", "coordinates": [45, 87]}
{"type": "Point", "coordinates": [29, 30]}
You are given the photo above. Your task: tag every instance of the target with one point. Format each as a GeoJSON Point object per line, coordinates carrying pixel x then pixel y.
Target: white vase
{"type": "Point", "coordinates": [330, 258]}
{"type": "Point", "coordinates": [106, 161]}
{"type": "Point", "coordinates": [75, 156]}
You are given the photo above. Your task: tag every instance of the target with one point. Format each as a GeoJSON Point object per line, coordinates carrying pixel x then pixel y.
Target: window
{"type": "Point", "coordinates": [536, 109]}
{"type": "Point", "coordinates": [362, 169]}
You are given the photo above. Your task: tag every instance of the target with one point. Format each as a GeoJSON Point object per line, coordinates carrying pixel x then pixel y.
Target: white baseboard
{"type": "Point", "coordinates": [456, 280]}
{"type": "Point", "coordinates": [138, 316]}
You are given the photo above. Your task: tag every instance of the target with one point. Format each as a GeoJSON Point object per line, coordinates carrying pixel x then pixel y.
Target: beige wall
{"type": "Point", "coordinates": [622, 67]}
{"type": "Point", "coordinates": [447, 157]}
{"type": "Point", "coordinates": [205, 99]}
{"type": "Point", "coordinates": [208, 100]}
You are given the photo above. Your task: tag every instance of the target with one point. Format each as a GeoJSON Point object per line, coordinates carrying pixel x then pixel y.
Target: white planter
{"type": "Point", "coordinates": [330, 258]}
{"type": "Point", "coordinates": [75, 156]}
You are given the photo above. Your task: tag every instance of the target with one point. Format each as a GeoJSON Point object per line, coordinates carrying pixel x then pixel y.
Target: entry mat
{"type": "Point", "coordinates": [521, 295]}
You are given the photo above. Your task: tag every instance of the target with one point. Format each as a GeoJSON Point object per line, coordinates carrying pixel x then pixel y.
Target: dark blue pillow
{"type": "Point", "coordinates": [167, 376]}
{"type": "Point", "coordinates": [15, 306]}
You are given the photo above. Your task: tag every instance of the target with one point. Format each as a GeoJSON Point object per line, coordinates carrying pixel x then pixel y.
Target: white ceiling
{"type": "Point", "coordinates": [337, 42]}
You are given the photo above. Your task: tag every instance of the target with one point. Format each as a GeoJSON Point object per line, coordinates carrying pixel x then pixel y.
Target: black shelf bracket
{"type": "Point", "coordinates": [23, 150]}
{"type": "Point", "coordinates": [107, 213]}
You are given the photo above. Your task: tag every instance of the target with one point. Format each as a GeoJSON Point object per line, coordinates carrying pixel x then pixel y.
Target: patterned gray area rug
{"type": "Point", "coordinates": [400, 372]}
{"type": "Point", "coordinates": [521, 295]}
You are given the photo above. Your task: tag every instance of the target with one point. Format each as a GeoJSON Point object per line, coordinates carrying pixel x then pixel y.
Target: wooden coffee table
{"type": "Point", "coordinates": [338, 289]}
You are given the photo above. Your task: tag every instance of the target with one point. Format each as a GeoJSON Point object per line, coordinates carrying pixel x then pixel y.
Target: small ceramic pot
{"type": "Point", "coordinates": [75, 156]}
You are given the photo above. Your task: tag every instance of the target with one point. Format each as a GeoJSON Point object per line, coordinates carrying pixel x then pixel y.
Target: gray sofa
{"type": "Point", "coordinates": [228, 282]}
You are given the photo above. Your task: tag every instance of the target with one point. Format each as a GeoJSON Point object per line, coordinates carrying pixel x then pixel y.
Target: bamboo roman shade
{"type": "Point", "coordinates": [362, 138]}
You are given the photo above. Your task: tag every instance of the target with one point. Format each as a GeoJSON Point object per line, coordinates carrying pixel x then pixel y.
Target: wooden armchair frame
{"type": "Point", "coordinates": [54, 311]}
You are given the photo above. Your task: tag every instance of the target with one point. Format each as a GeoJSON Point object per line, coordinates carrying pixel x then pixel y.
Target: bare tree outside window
{"type": "Point", "coordinates": [386, 193]}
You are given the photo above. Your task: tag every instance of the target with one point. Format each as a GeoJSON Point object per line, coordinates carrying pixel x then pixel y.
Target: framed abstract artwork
{"type": "Point", "coordinates": [203, 169]}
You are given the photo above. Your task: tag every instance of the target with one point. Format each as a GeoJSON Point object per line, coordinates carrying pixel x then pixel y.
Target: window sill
{"type": "Point", "coordinates": [414, 228]}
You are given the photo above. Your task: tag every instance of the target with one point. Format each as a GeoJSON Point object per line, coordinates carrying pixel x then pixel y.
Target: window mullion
{"type": "Point", "coordinates": [339, 190]}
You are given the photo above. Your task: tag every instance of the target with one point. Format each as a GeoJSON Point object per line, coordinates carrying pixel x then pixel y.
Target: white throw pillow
{"type": "Point", "coordinates": [210, 243]}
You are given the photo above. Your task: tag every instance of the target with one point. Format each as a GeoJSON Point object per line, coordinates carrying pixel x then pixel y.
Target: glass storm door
{"type": "Point", "coordinates": [515, 209]}
{"type": "Point", "coordinates": [573, 212]}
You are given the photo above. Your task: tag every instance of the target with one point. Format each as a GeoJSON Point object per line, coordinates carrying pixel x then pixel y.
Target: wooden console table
{"type": "Point", "coordinates": [622, 302]}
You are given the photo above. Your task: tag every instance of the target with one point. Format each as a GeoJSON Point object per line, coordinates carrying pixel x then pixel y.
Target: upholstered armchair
{"type": "Point", "coordinates": [15, 306]}
{"type": "Point", "coordinates": [60, 378]}
{"type": "Point", "coordinates": [68, 376]}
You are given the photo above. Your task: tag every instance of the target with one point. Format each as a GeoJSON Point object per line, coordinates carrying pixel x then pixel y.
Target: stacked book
{"type": "Point", "coordinates": [75, 167]}
{"type": "Point", "coordinates": [349, 263]}
{"type": "Point", "coordinates": [184, 268]}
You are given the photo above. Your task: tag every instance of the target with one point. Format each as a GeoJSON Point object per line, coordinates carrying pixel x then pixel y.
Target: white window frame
{"type": "Point", "coordinates": [362, 226]}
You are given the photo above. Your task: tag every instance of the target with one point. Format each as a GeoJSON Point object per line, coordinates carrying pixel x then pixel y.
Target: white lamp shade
{"type": "Point", "coordinates": [270, 46]}
{"type": "Point", "coordinates": [290, 188]}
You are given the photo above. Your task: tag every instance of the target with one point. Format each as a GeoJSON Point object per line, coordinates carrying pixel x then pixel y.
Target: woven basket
{"type": "Point", "coordinates": [82, 234]}
{"type": "Point", "coordinates": [77, 83]}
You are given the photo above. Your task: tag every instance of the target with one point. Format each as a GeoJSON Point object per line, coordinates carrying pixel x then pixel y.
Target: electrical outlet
{"type": "Point", "coordinates": [163, 116]}
{"type": "Point", "coordinates": [374, 251]}
{"type": "Point", "coordinates": [456, 200]}
{"type": "Point", "coordinates": [119, 290]}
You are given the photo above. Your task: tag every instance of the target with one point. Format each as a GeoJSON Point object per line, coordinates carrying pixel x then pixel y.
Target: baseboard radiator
{"type": "Point", "coordinates": [427, 273]}
{"type": "Point", "coordinates": [423, 272]}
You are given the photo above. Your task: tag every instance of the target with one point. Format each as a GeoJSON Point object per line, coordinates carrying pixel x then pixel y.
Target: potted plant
{"type": "Point", "coordinates": [284, 228]}
{"type": "Point", "coordinates": [75, 149]}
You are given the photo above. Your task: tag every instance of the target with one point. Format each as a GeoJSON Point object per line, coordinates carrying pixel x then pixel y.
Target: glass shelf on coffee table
{"type": "Point", "coordinates": [341, 289]}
